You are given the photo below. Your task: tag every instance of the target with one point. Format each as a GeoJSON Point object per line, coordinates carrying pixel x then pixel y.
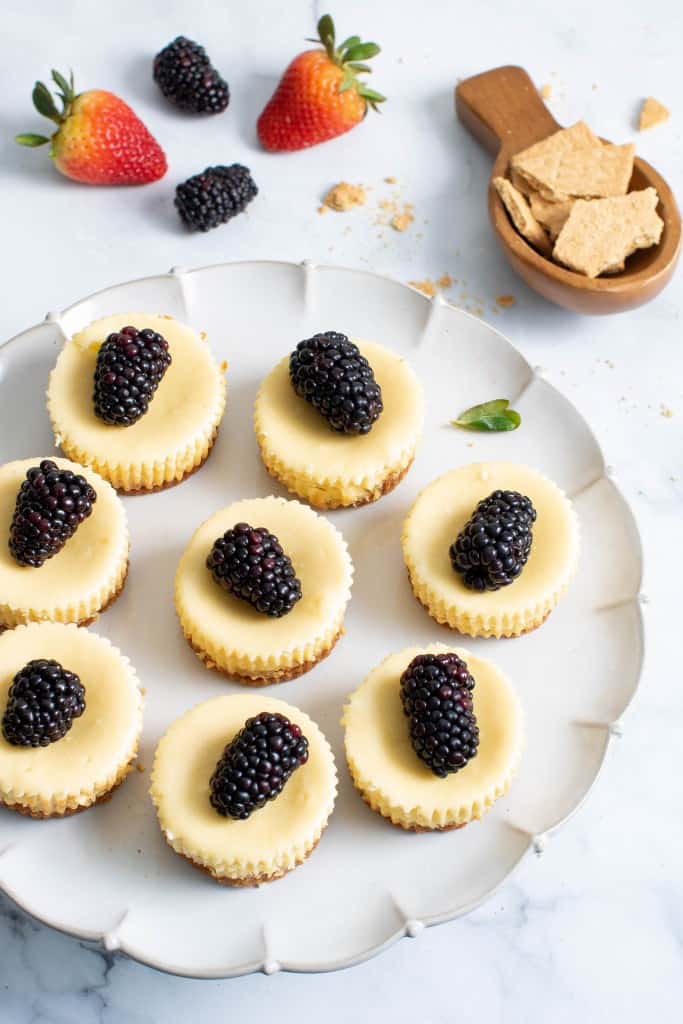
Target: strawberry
{"type": "Point", "coordinates": [99, 140]}
{"type": "Point", "coordinates": [320, 95]}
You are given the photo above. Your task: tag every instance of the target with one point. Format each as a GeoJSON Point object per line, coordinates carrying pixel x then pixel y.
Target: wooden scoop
{"type": "Point", "coordinates": [503, 110]}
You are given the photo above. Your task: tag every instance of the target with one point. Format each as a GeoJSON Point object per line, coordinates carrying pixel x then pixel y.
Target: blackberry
{"type": "Point", "coordinates": [42, 702]}
{"type": "Point", "coordinates": [186, 76]}
{"type": "Point", "coordinates": [130, 366]}
{"type": "Point", "coordinates": [255, 766]}
{"type": "Point", "coordinates": [249, 563]}
{"type": "Point", "coordinates": [436, 693]}
{"type": "Point", "coordinates": [215, 196]}
{"type": "Point", "coordinates": [493, 547]}
{"type": "Point", "coordinates": [329, 371]}
{"type": "Point", "coordinates": [51, 505]}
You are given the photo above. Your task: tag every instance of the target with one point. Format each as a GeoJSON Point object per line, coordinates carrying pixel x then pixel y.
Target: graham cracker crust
{"type": "Point", "coordinates": [170, 483]}
{"type": "Point", "coordinates": [81, 622]}
{"type": "Point", "coordinates": [278, 676]}
{"type": "Point", "coordinates": [398, 824]}
{"type": "Point", "coordinates": [388, 484]}
{"type": "Point", "coordinates": [247, 880]}
{"type": "Point", "coordinates": [454, 629]}
{"type": "Point", "coordinates": [28, 812]}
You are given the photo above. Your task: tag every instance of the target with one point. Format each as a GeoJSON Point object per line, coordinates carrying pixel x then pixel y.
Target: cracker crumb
{"type": "Point", "coordinates": [427, 287]}
{"type": "Point", "coordinates": [505, 300]}
{"type": "Point", "coordinates": [445, 281]}
{"type": "Point", "coordinates": [665, 411]}
{"type": "Point", "coordinates": [343, 197]}
{"type": "Point", "coordinates": [224, 366]}
{"type": "Point", "coordinates": [546, 91]}
{"type": "Point", "coordinates": [402, 221]}
{"type": "Point", "coordinates": [652, 113]}
{"type": "Point", "coordinates": [322, 209]}
{"type": "Point", "coordinates": [391, 180]}
{"type": "Point", "coordinates": [140, 766]}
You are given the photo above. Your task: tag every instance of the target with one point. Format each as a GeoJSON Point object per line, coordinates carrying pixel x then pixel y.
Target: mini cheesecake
{"type": "Point", "coordinates": [268, 840]}
{"type": "Point", "coordinates": [436, 522]}
{"type": "Point", "coordinates": [94, 756]}
{"type": "Point", "coordinates": [81, 579]}
{"type": "Point", "coordinates": [390, 775]}
{"type": "Point", "coordinates": [325, 466]}
{"type": "Point", "coordinates": [176, 433]}
{"type": "Point", "coordinates": [230, 634]}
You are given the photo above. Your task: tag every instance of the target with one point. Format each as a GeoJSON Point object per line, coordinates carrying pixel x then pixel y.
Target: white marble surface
{"type": "Point", "coordinates": [594, 929]}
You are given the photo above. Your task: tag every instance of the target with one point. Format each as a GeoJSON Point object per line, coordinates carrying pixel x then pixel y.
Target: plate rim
{"type": "Point", "coordinates": [108, 940]}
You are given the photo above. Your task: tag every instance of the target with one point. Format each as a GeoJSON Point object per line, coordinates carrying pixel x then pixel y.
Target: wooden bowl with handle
{"type": "Point", "coordinates": [504, 111]}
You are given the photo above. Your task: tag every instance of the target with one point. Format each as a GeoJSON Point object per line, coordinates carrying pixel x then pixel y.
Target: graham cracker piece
{"type": "Point", "coordinates": [574, 162]}
{"type": "Point", "coordinates": [552, 216]}
{"type": "Point", "coordinates": [344, 197]}
{"type": "Point", "coordinates": [652, 113]}
{"type": "Point", "coordinates": [601, 233]}
{"type": "Point", "coordinates": [520, 183]}
{"type": "Point", "coordinates": [521, 215]}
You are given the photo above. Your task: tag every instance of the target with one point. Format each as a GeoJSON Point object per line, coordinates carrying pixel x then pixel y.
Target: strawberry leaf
{"type": "Point", "coordinates": [347, 82]}
{"type": "Point", "coordinates": [363, 51]}
{"type": "Point", "coordinates": [326, 33]}
{"type": "Point", "coordinates": [371, 96]}
{"type": "Point", "coordinates": [360, 67]}
{"type": "Point", "coordinates": [61, 82]}
{"type": "Point", "coordinates": [494, 416]}
{"type": "Point", "coordinates": [29, 139]}
{"type": "Point", "coordinates": [44, 103]}
{"type": "Point", "coordinates": [351, 41]}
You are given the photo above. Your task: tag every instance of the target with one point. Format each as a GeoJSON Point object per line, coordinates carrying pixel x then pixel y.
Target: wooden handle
{"type": "Point", "coordinates": [503, 110]}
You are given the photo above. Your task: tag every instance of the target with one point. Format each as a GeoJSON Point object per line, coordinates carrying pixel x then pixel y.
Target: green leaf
{"type": "Point", "coordinates": [326, 31]}
{"type": "Point", "coordinates": [371, 96]}
{"type": "Point", "coordinates": [351, 41]}
{"type": "Point", "coordinates": [44, 103]}
{"type": "Point", "coordinates": [363, 51]}
{"type": "Point", "coordinates": [494, 416]}
{"type": "Point", "coordinates": [346, 82]}
{"type": "Point", "coordinates": [29, 139]}
{"type": "Point", "coordinates": [360, 67]}
{"type": "Point", "coordinates": [61, 81]}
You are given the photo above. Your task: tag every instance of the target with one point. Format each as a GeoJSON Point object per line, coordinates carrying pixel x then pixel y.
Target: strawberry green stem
{"type": "Point", "coordinates": [350, 57]}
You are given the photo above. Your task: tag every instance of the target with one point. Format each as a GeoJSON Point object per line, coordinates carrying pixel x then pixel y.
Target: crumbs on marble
{"type": "Point", "coordinates": [546, 91]}
{"type": "Point", "coordinates": [402, 221]}
{"type": "Point", "coordinates": [224, 366]}
{"type": "Point", "coordinates": [343, 197]}
{"type": "Point", "coordinates": [665, 411]}
{"type": "Point", "coordinates": [505, 301]}
{"type": "Point", "coordinates": [426, 286]}
{"type": "Point", "coordinates": [140, 767]}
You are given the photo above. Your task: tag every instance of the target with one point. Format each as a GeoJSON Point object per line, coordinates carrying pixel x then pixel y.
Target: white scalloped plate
{"type": "Point", "coordinates": [107, 875]}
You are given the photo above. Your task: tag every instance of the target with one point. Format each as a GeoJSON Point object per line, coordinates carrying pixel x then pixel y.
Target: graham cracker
{"type": "Point", "coordinates": [600, 234]}
{"type": "Point", "coordinates": [573, 162]}
{"type": "Point", "coordinates": [552, 216]}
{"type": "Point", "coordinates": [652, 113]}
{"type": "Point", "coordinates": [520, 183]}
{"type": "Point", "coordinates": [521, 215]}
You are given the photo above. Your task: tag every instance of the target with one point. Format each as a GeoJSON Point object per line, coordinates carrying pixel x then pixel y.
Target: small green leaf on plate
{"type": "Point", "coordinates": [491, 416]}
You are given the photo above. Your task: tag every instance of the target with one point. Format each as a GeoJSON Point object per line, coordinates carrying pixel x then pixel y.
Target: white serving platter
{"type": "Point", "coordinates": [107, 875]}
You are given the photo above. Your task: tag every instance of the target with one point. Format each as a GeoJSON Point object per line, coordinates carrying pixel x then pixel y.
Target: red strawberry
{"type": "Point", "coordinates": [99, 140]}
{"type": "Point", "coordinates": [320, 95]}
